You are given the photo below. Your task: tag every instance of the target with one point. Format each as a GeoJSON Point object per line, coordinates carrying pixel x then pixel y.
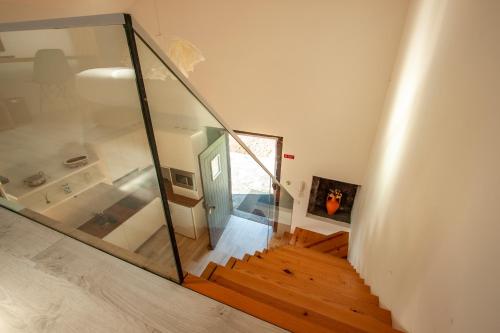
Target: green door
{"type": "Point", "coordinates": [215, 174]}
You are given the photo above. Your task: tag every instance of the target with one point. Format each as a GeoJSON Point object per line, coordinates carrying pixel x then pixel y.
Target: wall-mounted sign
{"type": "Point", "coordinates": [289, 156]}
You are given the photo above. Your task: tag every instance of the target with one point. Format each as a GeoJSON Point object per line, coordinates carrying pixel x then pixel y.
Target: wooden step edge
{"type": "Point", "coordinates": [250, 306]}
{"type": "Point", "coordinates": [208, 271]}
{"type": "Point", "coordinates": [230, 263]}
{"type": "Point", "coordinates": [245, 257]}
{"type": "Point", "coordinates": [327, 237]}
{"type": "Point", "coordinates": [326, 315]}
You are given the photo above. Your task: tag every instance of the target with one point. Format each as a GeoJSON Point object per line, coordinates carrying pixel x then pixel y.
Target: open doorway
{"type": "Point", "coordinates": [248, 224]}
{"type": "Point", "coordinates": [252, 191]}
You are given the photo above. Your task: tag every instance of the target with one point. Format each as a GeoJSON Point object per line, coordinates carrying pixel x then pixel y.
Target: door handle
{"type": "Point", "coordinates": [210, 209]}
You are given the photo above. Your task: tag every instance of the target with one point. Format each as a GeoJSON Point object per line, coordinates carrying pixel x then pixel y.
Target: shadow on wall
{"type": "Point", "coordinates": [424, 226]}
{"type": "Point", "coordinates": [390, 148]}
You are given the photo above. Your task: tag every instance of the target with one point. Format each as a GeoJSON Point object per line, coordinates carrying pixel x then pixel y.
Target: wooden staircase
{"type": "Point", "coordinates": [302, 284]}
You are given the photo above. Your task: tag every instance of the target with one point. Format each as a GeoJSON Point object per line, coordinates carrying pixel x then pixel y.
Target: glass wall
{"type": "Point", "coordinates": [213, 220]}
{"type": "Point", "coordinates": [120, 152]}
{"type": "Point", "coordinates": [73, 145]}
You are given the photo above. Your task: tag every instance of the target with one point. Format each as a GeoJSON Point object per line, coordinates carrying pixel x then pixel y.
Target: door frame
{"type": "Point", "coordinates": [277, 167]}
{"type": "Point", "coordinates": [279, 149]}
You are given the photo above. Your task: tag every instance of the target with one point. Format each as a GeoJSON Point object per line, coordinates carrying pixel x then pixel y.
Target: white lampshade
{"type": "Point", "coordinates": [113, 86]}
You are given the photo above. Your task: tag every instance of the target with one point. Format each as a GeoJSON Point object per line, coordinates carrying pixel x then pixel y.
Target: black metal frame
{"type": "Point", "coordinates": [130, 34]}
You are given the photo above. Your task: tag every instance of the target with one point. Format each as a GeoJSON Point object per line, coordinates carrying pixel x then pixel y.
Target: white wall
{"type": "Point", "coordinates": [426, 229]}
{"type": "Point", "coordinates": [315, 72]}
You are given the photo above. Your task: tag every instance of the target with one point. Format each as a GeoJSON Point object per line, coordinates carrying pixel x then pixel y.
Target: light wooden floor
{"type": "Point", "coordinates": [240, 236]}
{"type": "Point", "coordinates": [52, 283]}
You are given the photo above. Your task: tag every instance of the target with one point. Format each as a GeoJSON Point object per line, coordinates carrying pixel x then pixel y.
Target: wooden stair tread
{"type": "Point", "coordinates": [341, 252]}
{"type": "Point", "coordinates": [207, 272]}
{"type": "Point", "coordinates": [314, 290]}
{"type": "Point", "coordinates": [300, 255]}
{"type": "Point", "coordinates": [303, 237]}
{"type": "Point", "coordinates": [319, 256]}
{"type": "Point", "coordinates": [332, 242]}
{"type": "Point", "coordinates": [323, 278]}
{"type": "Point", "coordinates": [300, 263]}
{"type": "Point", "coordinates": [251, 306]}
{"type": "Point", "coordinates": [286, 238]}
{"type": "Point", "coordinates": [320, 313]}
{"type": "Point", "coordinates": [348, 280]}
{"type": "Point", "coordinates": [337, 234]}
{"type": "Point", "coordinates": [230, 263]}
{"type": "Point", "coordinates": [327, 286]}
{"type": "Point", "coordinates": [302, 283]}
{"type": "Point", "coordinates": [293, 258]}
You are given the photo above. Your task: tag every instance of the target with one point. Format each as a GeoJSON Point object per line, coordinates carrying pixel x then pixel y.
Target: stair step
{"type": "Point", "coordinates": [283, 240]}
{"type": "Point", "coordinates": [346, 279]}
{"type": "Point", "coordinates": [314, 290]}
{"type": "Point", "coordinates": [304, 281]}
{"type": "Point", "coordinates": [207, 272]}
{"type": "Point", "coordinates": [303, 236]}
{"type": "Point", "coordinates": [341, 252]}
{"type": "Point", "coordinates": [230, 263]}
{"type": "Point", "coordinates": [325, 281]}
{"type": "Point", "coordinates": [319, 257]}
{"type": "Point", "coordinates": [321, 237]}
{"type": "Point", "coordinates": [300, 254]}
{"type": "Point", "coordinates": [320, 313]}
{"type": "Point", "coordinates": [251, 306]}
{"type": "Point", "coordinates": [331, 243]}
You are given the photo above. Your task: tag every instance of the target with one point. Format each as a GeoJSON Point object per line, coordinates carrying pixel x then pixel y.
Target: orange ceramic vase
{"type": "Point", "coordinates": [331, 205]}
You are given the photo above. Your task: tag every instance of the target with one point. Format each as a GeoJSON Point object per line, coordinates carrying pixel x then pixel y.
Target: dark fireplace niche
{"type": "Point", "coordinates": [320, 189]}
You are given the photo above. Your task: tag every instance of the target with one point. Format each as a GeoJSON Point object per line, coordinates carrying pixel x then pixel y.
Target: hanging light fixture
{"type": "Point", "coordinates": [184, 54]}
